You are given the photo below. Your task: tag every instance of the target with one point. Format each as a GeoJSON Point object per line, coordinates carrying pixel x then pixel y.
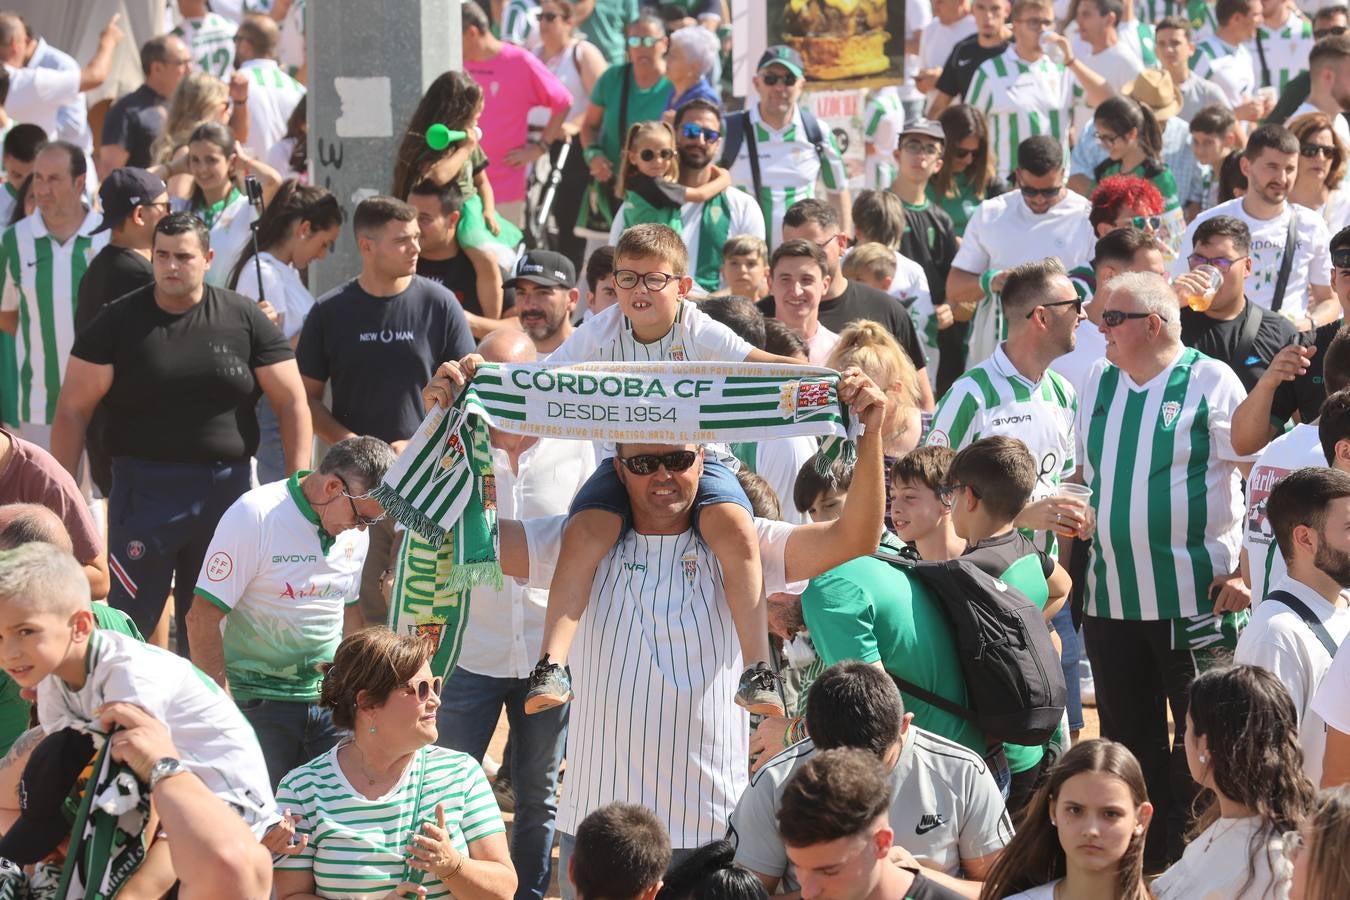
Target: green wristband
{"type": "Point", "coordinates": [986, 282]}
{"type": "Point", "coordinates": [591, 153]}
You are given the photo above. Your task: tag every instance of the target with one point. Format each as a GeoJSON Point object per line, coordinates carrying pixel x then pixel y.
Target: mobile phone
{"type": "Point", "coordinates": [254, 190]}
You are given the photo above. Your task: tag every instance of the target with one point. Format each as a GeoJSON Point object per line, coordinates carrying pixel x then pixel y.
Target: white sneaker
{"type": "Point", "coordinates": [1087, 688]}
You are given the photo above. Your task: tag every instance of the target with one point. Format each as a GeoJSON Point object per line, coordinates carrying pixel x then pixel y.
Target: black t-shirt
{"type": "Point", "coordinates": [926, 889]}
{"type": "Point", "coordinates": [930, 240]}
{"type": "Point", "coordinates": [959, 69]}
{"type": "Point", "coordinates": [658, 192]}
{"type": "Point", "coordinates": [457, 274]}
{"type": "Point", "coordinates": [379, 352]}
{"type": "Point", "coordinates": [995, 555]}
{"type": "Point", "coordinates": [134, 122]}
{"type": "Point", "coordinates": [114, 272]}
{"type": "Point", "coordinates": [1221, 340]}
{"type": "Point", "coordinates": [1316, 389]}
{"type": "Point", "coordinates": [861, 301]}
{"type": "Point", "coordinates": [183, 385]}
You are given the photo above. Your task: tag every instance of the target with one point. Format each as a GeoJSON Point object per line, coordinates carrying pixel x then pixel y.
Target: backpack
{"type": "Point", "coordinates": [736, 133]}
{"type": "Point", "coordinates": [1013, 676]}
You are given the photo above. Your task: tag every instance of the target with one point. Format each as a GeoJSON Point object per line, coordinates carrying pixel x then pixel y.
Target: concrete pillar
{"type": "Point", "coordinates": [369, 64]}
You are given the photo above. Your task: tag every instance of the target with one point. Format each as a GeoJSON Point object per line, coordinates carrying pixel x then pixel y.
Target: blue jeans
{"type": "Point", "coordinates": [470, 708]}
{"type": "Point", "coordinates": [1071, 643]}
{"type": "Point", "coordinates": [567, 844]}
{"type": "Point", "coordinates": [271, 456]}
{"type": "Point", "coordinates": [604, 490]}
{"type": "Point", "coordinates": [290, 732]}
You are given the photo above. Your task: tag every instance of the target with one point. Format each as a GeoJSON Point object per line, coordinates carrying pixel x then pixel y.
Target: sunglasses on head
{"type": "Point", "coordinates": [634, 42]}
{"type": "Point", "coordinates": [1341, 258]}
{"type": "Point", "coordinates": [1312, 151]}
{"type": "Point", "coordinates": [694, 132]}
{"type": "Point", "coordinates": [1049, 193]}
{"type": "Point", "coordinates": [424, 689]}
{"type": "Point", "coordinates": [648, 154]}
{"type": "Point", "coordinates": [772, 79]}
{"type": "Point", "coordinates": [1222, 263]}
{"type": "Point", "coordinates": [1333, 31]}
{"type": "Point", "coordinates": [1114, 318]}
{"type": "Point", "coordinates": [647, 463]}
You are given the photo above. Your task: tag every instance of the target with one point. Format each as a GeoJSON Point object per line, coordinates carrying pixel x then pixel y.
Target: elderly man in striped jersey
{"type": "Point", "coordinates": [1163, 590]}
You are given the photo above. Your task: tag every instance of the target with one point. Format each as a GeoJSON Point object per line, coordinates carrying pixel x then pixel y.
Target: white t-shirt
{"type": "Point", "coordinates": [1088, 350]}
{"type": "Point", "coordinates": [654, 669]}
{"type": "Point", "coordinates": [608, 337]}
{"type": "Point", "coordinates": [37, 95]}
{"type": "Point", "coordinates": [1118, 64]}
{"type": "Point", "coordinates": [282, 288]}
{"type": "Point", "coordinates": [213, 738]}
{"type": "Point", "coordinates": [1295, 449]}
{"type": "Point", "coordinates": [1215, 866]}
{"type": "Point", "coordinates": [1279, 640]}
{"type": "Point", "coordinates": [1312, 254]}
{"type": "Point", "coordinates": [820, 344]}
{"type": "Point", "coordinates": [272, 97]}
{"type": "Point", "coordinates": [938, 40]}
{"type": "Point", "coordinates": [1332, 700]}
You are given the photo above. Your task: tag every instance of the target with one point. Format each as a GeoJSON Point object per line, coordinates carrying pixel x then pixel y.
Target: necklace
{"type": "Point", "coordinates": [361, 762]}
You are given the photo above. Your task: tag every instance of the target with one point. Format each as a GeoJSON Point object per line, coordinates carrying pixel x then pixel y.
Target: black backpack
{"type": "Point", "coordinates": [1013, 676]}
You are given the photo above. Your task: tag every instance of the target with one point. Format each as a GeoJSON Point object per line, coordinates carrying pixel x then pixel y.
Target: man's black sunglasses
{"type": "Point", "coordinates": [647, 463]}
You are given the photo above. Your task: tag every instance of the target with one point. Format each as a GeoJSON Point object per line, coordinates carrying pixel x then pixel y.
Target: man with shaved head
{"type": "Point", "coordinates": [27, 523]}
{"type": "Point", "coordinates": [272, 94]}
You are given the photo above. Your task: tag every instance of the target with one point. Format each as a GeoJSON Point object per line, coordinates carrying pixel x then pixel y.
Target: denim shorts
{"type": "Point", "coordinates": [603, 490]}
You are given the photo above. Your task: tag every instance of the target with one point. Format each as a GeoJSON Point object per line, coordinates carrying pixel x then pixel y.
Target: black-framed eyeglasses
{"type": "Point", "coordinates": [1328, 32]}
{"type": "Point", "coordinates": [655, 281]}
{"type": "Point", "coordinates": [694, 132]}
{"type": "Point", "coordinates": [647, 463]}
{"type": "Point", "coordinates": [824, 245]}
{"type": "Point", "coordinates": [1114, 318]}
{"type": "Point", "coordinates": [648, 41]}
{"type": "Point", "coordinates": [1312, 151]}
{"type": "Point", "coordinates": [351, 501]}
{"type": "Point", "coordinates": [647, 154]}
{"type": "Point", "coordinates": [1076, 303]}
{"type": "Point", "coordinates": [772, 79]}
{"type": "Point", "coordinates": [1222, 263]}
{"type": "Point", "coordinates": [1106, 140]}
{"type": "Point", "coordinates": [948, 491]}
{"type": "Point", "coordinates": [921, 148]}
{"type": "Point", "coordinates": [424, 688]}
{"type": "Point", "coordinates": [1049, 193]}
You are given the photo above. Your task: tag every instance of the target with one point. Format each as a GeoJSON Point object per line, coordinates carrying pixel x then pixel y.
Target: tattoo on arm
{"type": "Point", "coordinates": [22, 747]}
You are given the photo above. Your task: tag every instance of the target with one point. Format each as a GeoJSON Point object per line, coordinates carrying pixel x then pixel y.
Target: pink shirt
{"type": "Point", "coordinates": [513, 82]}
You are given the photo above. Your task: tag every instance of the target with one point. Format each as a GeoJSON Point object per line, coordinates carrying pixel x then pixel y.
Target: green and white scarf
{"type": "Point", "coordinates": [108, 841]}
{"type": "Point", "coordinates": [442, 487]}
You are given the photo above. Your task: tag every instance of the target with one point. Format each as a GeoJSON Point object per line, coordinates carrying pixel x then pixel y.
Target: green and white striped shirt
{"type": "Point", "coordinates": [357, 846]}
{"type": "Point", "coordinates": [1286, 51]}
{"type": "Point", "coordinates": [1165, 487]}
{"type": "Point", "coordinates": [884, 116]}
{"type": "Point", "coordinates": [1021, 99]}
{"type": "Point", "coordinates": [39, 278]}
{"type": "Point", "coordinates": [210, 43]}
{"type": "Point", "coordinates": [1233, 69]}
{"type": "Point", "coordinates": [788, 168]}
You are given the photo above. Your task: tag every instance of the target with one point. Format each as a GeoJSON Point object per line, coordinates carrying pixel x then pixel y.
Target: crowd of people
{"type": "Point", "coordinates": [275, 570]}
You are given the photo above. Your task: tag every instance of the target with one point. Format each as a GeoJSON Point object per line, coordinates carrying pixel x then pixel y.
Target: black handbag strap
{"type": "Point", "coordinates": [1300, 609]}
{"type": "Point", "coordinates": [1246, 342]}
{"type": "Point", "coordinates": [752, 153]}
{"type": "Point", "coordinates": [1261, 54]}
{"type": "Point", "coordinates": [1287, 260]}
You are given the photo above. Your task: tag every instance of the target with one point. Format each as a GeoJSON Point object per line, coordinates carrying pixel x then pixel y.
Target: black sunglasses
{"type": "Point", "coordinates": [963, 152]}
{"type": "Point", "coordinates": [648, 154]}
{"type": "Point", "coordinates": [647, 463]}
{"type": "Point", "coordinates": [351, 501]}
{"type": "Point", "coordinates": [1114, 318]}
{"type": "Point", "coordinates": [1328, 32]}
{"type": "Point", "coordinates": [1048, 193]}
{"type": "Point", "coordinates": [1076, 303]}
{"type": "Point", "coordinates": [551, 17]}
{"type": "Point", "coordinates": [424, 689]}
{"type": "Point", "coordinates": [1312, 151]}
{"type": "Point", "coordinates": [772, 80]}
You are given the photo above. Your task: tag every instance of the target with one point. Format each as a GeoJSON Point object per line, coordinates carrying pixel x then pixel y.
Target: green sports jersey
{"type": "Point", "coordinates": [1281, 55]}
{"type": "Point", "coordinates": [883, 117]}
{"type": "Point", "coordinates": [1021, 99]}
{"type": "Point", "coordinates": [39, 279]}
{"type": "Point", "coordinates": [210, 43]}
{"type": "Point", "coordinates": [1165, 487]}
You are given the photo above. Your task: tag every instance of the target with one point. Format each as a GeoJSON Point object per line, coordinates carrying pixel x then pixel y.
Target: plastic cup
{"type": "Point", "coordinates": [1077, 492]}
{"type": "Point", "coordinates": [1052, 49]}
{"type": "Point", "coordinates": [1202, 302]}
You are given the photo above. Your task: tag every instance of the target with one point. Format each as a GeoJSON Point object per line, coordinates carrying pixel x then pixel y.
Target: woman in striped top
{"type": "Point", "coordinates": [385, 814]}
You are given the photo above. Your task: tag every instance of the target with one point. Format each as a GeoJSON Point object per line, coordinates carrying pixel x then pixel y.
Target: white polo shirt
{"type": "Point", "coordinates": [272, 97]}
{"type": "Point", "coordinates": [282, 288]}
{"type": "Point", "coordinates": [37, 95]}
{"type": "Point", "coordinates": [282, 583]}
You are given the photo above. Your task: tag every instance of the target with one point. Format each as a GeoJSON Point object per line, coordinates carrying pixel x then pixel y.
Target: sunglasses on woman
{"type": "Point", "coordinates": [649, 42]}
{"type": "Point", "coordinates": [648, 154]}
{"type": "Point", "coordinates": [963, 152]}
{"type": "Point", "coordinates": [551, 17]}
{"type": "Point", "coordinates": [647, 463]}
{"type": "Point", "coordinates": [424, 689]}
{"type": "Point", "coordinates": [1312, 151]}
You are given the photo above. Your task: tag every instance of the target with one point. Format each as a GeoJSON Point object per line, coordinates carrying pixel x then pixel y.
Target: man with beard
{"type": "Point", "coordinates": [1270, 164]}
{"type": "Point", "coordinates": [705, 226]}
{"type": "Point", "coordinates": [546, 296]}
{"type": "Point", "coordinates": [1304, 618]}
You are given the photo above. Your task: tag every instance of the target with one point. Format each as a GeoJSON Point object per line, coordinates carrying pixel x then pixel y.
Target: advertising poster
{"type": "Point", "coordinates": [849, 43]}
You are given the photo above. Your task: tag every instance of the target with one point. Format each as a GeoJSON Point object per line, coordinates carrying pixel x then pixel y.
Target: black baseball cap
{"type": "Point", "coordinates": [784, 56]}
{"type": "Point", "coordinates": [927, 128]}
{"type": "Point", "coordinates": [544, 267]}
{"type": "Point", "coordinates": [123, 190]}
{"type": "Point", "coordinates": [48, 777]}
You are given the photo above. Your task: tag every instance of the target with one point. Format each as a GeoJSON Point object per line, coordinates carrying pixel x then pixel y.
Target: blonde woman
{"type": "Point", "coordinates": [199, 98]}
{"type": "Point", "coordinates": [1321, 866]}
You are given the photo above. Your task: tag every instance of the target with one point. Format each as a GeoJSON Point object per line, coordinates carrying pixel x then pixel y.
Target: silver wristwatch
{"type": "Point", "coordinates": [165, 768]}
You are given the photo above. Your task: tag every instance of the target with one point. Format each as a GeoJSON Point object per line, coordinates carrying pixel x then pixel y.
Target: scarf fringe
{"type": "Point", "coordinates": [406, 514]}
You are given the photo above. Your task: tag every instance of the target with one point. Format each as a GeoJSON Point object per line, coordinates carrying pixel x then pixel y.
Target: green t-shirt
{"type": "Point", "coordinates": [604, 27]}
{"type": "Point", "coordinates": [868, 610]}
{"type": "Point", "coordinates": [643, 105]}
{"type": "Point", "coordinates": [960, 205]}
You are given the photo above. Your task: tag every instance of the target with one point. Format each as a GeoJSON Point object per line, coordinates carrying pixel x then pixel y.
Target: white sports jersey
{"type": "Point", "coordinates": [1021, 99]}
{"type": "Point", "coordinates": [36, 96]}
{"type": "Point", "coordinates": [788, 166]}
{"type": "Point", "coordinates": [654, 671]}
{"type": "Point", "coordinates": [1277, 639]}
{"type": "Point", "coordinates": [1295, 449]}
{"type": "Point", "coordinates": [282, 583]}
{"type": "Point", "coordinates": [213, 738]}
{"type": "Point", "coordinates": [40, 278]}
{"type": "Point", "coordinates": [230, 232]}
{"type": "Point", "coordinates": [1231, 68]}
{"type": "Point", "coordinates": [608, 337]}
{"type": "Point", "coordinates": [272, 97]}
{"type": "Point", "coordinates": [1285, 52]}
{"type": "Point", "coordinates": [883, 119]}
{"type": "Point", "coordinates": [210, 43]}
{"type": "Point", "coordinates": [1165, 487]}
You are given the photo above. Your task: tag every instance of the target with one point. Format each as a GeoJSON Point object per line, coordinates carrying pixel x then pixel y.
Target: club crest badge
{"type": "Point", "coordinates": [690, 564]}
{"type": "Point", "coordinates": [135, 550]}
{"type": "Point", "coordinates": [428, 627]}
{"type": "Point", "coordinates": [1170, 410]}
{"type": "Point", "coordinates": [489, 492]}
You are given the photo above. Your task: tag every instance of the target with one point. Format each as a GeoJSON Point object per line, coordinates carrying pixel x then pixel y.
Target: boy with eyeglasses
{"type": "Point", "coordinates": [655, 322]}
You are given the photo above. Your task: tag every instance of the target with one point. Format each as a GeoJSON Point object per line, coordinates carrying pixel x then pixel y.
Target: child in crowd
{"type": "Point", "coordinates": [649, 179]}
{"type": "Point", "coordinates": [654, 321]}
{"type": "Point", "coordinates": [879, 216]}
{"type": "Point", "coordinates": [745, 267]}
{"type": "Point", "coordinates": [621, 852]}
{"type": "Point", "coordinates": [1214, 135]}
{"type": "Point", "coordinates": [600, 293]}
{"type": "Point", "coordinates": [871, 264]}
{"type": "Point", "coordinates": [988, 484]}
{"type": "Point", "coordinates": [1097, 788]}
{"type": "Point", "coordinates": [822, 496]}
{"type": "Point", "coordinates": [456, 101]}
{"type": "Point", "coordinates": [921, 515]}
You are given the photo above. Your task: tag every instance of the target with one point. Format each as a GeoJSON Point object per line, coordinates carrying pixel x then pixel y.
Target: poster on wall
{"type": "Point", "coordinates": [842, 113]}
{"type": "Point", "coordinates": [848, 43]}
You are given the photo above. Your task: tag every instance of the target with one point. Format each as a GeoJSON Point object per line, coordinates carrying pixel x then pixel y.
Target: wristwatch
{"type": "Point", "coordinates": [165, 768]}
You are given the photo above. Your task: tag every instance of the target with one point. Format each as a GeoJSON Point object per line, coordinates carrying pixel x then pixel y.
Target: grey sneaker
{"type": "Point", "coordinates": [550, 686]}
{"type": "Point", "coordinates": [758, 691]}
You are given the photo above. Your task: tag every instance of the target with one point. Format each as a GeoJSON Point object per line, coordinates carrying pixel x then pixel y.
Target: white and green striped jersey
{"type": "Point", "coordinates": [993, 398]}
{"type": "Point", "coordinates": [272, 97]}
{"type": "Point", "coordinates": [883, 118]}
{"type": "Point", "coordinates": [1021, 99]}
{"type": "Point", "coordinates": [520, 23]}
{"type": "Point", "coordinates": [1165, 487]}
{"type": "Point", "coordinates": [788, 166]}
{"type": "Point", "coordinates": [210, 43]}
{"type": "Point", "coordinates": [1200, 14]}
{"type": "Point", "coordinates": [39, 279]}
{"type": "Point", "coordinates": [358, 847]}
{"type": "Point", "coordinates": [1232, 68]}
{"type": "Point", "coordinates": [1285, 51]}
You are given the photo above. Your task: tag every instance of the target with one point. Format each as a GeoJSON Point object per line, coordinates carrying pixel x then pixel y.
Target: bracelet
{"type": "Point", "coordinates": [1069, 62]}
{"type": "Point", "coordinates": [591, 153]}
{"type": "Point", "coordinates": [451, 874]}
